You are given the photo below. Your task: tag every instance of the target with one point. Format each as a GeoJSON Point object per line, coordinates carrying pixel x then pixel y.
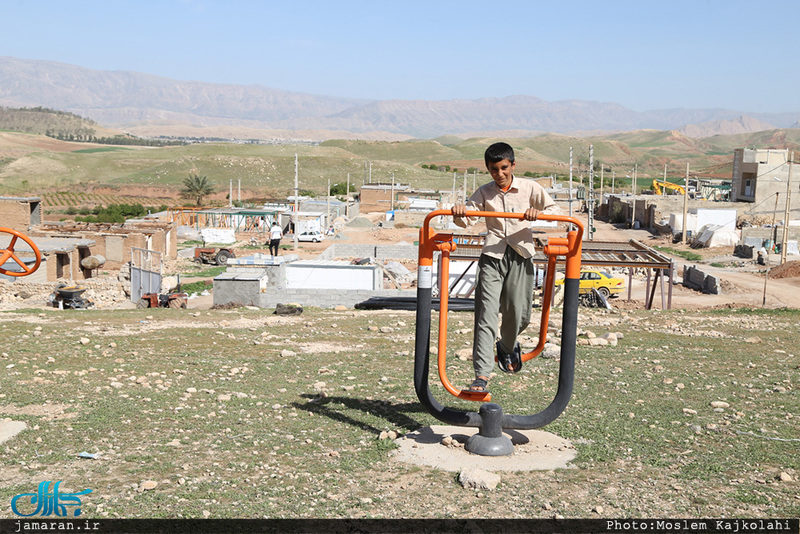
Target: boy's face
{"type": "Point", "coordinates": [501, 172]}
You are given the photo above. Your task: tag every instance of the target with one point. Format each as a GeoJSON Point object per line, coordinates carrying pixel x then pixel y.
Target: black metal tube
{"type": "Point", "coordinates": [566, 370]}
{"type": "Point", "coordinates": [422, 367]}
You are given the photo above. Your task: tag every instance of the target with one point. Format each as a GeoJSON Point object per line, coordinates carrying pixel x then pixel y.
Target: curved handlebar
{"type": "Point", "coordinates": [507, 215]}
{"type": "Point", "coordinates": [430, 241]}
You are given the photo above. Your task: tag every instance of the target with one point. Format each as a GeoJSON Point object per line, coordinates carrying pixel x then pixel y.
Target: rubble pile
{"type": "Point", "coordinates": [104, 292]}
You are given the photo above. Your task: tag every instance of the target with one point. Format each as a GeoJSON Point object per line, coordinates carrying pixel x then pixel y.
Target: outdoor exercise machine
{"type": "Point", "coordinates": [490, 419]}
{"type": "Point", "coordinates": [9, 253]}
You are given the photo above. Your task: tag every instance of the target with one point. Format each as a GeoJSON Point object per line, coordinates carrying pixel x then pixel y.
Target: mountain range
{"type": "Point", "coordinates": [151, 105]}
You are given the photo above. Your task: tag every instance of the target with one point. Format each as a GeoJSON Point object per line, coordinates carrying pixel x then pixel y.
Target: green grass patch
{"type": "Point", "coordinates": [197, 287]}
{"type": "Point", "coordinates": [204, 273]}
{"type": "Point", "coordinates": [685, 254]}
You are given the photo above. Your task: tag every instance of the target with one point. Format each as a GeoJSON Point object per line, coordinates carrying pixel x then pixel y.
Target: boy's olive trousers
{"type": "Point", "coordinates": [503, 286]}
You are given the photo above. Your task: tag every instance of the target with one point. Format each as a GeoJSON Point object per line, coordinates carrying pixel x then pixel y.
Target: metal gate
{"type": "Point", "coordinates": [146, 272]}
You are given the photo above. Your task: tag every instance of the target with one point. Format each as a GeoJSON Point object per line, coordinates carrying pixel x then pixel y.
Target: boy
{"type": "Point", "coordinates": [505, 268]}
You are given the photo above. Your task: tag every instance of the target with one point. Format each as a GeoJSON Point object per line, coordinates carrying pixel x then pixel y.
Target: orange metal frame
{"type": "Point", "coordinates": [430, 241]}
{"type": "Point", "coordinates": [8, 252]}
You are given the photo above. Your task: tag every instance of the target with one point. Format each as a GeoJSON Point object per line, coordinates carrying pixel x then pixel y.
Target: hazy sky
{"type": "Point", "coordinates": [641, 54]}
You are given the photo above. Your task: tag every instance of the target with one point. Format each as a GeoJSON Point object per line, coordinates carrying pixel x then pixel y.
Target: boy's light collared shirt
{"type": "Point", "coordinates": [501, 231]}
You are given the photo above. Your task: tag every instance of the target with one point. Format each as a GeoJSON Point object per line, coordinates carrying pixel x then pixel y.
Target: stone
{"type": "Point", "coordinates": [551, 351]}
{"type": "Point", "coordinates": [286, 353]}
{"type": "Point", "coordinates": [464, 354]}
{"type": "Point", "coordinates": [387, 330]}
{"type": "Point", "coordinates": [719, 404]}
{"type": "Point", "coordinates": [785, 477]}
{"type": "Point", "coordinates": [476, 478]}
{"type": "Point", "coordinates": [611, 338]}
{"type": "Point", "coordinates": [148, 485]}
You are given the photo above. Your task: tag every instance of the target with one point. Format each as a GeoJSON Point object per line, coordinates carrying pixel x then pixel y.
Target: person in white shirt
{"type": "Point", "coordinates": [275, 234]}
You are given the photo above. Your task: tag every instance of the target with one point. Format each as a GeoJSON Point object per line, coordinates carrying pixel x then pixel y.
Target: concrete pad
{"type": "Point", "coordinates": [9, 429]}
{"type": "Point", "coordinates": [534, 450]}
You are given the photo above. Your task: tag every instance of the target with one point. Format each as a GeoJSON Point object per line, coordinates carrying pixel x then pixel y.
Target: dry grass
{"type": "Point", "coordinates": [240, 413]}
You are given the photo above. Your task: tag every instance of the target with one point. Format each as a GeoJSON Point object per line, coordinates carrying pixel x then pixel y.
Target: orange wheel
{"type": "Point", "coordinates": [8, 253]}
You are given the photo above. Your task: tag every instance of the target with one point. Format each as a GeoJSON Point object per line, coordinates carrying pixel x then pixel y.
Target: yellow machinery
{"type": "Point", "coordinates": [658, 186]}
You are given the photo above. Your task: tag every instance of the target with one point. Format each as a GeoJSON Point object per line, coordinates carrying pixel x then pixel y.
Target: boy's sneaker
{"type": "Point", "coordinates": [509, 362]}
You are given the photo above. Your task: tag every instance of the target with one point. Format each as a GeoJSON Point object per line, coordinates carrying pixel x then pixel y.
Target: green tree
{"type": "Point", "coordinates": [339, 189]}
{"type": "Point", "coordinates": [196, 188]}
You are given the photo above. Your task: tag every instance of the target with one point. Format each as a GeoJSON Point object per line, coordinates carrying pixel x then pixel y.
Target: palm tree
{"type": "Point", "coordinates": [196, 188]}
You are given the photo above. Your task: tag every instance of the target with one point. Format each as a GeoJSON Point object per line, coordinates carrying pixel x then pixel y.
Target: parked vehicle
{"type": "Point", "coordinates": [156, 300]}
{"type": "Point", "coordinates": [605, 283]}
{"type": "Point", "coordinates": [312, 236]}
{"type": "Point", "coordinates": [217, 256]}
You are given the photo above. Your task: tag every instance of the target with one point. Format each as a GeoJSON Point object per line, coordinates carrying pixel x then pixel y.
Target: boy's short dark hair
{"type": "Point", "coordinates": [498, 152]}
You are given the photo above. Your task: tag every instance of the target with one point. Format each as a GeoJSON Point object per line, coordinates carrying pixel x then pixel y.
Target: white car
{"type": "Point", "coordinates": [313, 236]}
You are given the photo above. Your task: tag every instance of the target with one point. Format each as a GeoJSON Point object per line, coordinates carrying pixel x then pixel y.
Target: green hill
{"type": "Point", "coordinates": [32, 163]}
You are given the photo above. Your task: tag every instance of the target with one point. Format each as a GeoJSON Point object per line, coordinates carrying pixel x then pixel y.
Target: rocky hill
{"type": "Point", "coordinates": [122, 99]}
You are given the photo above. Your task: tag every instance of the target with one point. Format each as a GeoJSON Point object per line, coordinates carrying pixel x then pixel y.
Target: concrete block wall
{"type": "Point", "coordinates": [774, 233]}
{"type": "Point", "coordinates": [382, 252]}
{"type": "Point", "coordinates": [697, 279]}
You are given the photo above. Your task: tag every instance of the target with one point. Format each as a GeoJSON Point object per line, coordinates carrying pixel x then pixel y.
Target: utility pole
{"type": "Point", "coordinates": [296, 193]}
{"type": "Point", "coordinates": [347, 197]}
{"type": "Point", "coordinates": [239, 192]}
{"type": "Point", "coordinates": [453, 194]}
{"type": "Point", "coordinates": [465, 186]}
{"type": "Point", "coordinates": [590, 197]}
{"type": "Point", "coordinates": [230, 194]}
{"type": "Point", "coordinates": [685, 205]}
{"type": "Point", "coordinates": [370, 172]}
{"type": "Point", "coordinates": [664, 189]}
{"type": "Point", "coordinates": [328, 196]}
{"type": "Point", "coordinates": [785, 239]}
{"type": "Point", "coordinates": [766, 256]}
{"type": "Point", "coordinates": [613, 177]}
{"type": "Point", "coordinates": [602, 171]}
{"type": "Point", "coordinates": [392, 202]}
{"type": "Point", "coordinates": [570, 181]}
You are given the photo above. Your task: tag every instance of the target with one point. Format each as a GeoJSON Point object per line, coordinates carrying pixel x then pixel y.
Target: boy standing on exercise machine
{"type": "Point", "coordinates": [505, 269]}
